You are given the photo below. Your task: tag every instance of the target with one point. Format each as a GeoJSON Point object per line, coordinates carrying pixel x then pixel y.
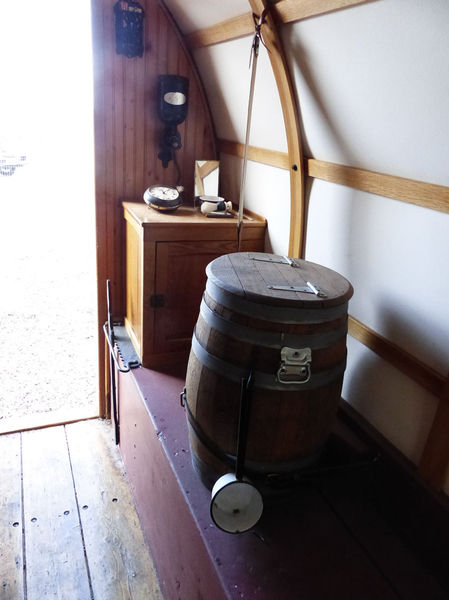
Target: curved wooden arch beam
{"type": "Point", "coordinates": [284, 84]}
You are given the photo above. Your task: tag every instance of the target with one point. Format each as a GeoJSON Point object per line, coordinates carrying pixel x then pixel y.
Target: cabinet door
{"type": "Point", "coordinates": [181, 280]}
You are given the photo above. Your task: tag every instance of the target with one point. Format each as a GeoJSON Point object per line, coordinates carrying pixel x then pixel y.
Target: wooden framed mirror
{"type": "Point", "coordinates": [206, 177]}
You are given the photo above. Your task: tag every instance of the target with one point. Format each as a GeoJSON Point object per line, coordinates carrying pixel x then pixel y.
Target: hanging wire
{"type": "Point", "coordinates": [258, 22]}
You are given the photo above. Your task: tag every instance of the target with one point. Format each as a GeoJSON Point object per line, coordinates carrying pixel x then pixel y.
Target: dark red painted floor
{"type": "Point", "coordinates": [326, 541]}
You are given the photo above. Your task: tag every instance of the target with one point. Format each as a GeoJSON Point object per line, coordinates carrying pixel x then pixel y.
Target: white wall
{"type": "Point", "coordinates": [373, 88]}
{"type": "Point", "coordinates": [226, 77]}
{"type": "Point", "coordinates": [373, 84]}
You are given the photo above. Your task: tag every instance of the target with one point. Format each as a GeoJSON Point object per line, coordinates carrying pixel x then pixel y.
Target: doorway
{"type": "Point", "coordinates": [48, 319]}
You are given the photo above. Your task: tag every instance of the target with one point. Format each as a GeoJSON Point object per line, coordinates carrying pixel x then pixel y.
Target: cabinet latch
{"type": "Point", "coordinates": [157, 300]}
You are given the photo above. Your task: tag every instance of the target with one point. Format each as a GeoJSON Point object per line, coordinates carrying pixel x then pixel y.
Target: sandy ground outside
{"type": "Point", "coordinates": [48, 349]}
{"type": "Point", "coordinates": [48, 346]}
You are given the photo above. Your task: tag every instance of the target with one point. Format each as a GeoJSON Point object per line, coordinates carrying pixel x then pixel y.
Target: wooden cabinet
{"type": "Point", "coordinates": [166, 257]}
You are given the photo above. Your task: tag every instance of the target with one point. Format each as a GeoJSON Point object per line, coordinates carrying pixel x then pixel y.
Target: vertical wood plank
{"type": "Point", "coordinates": [125, 168]}
{"type": "Point", "coordinates": [11, 557]}
{"type": "Point", "coordinates": [55, 563]}
{"type": "Point", "coordinates": [122, 147]}
{"type": "Point", "coordinates": [155, 37]}
{"type": "Point", "coordinates": [139, 140]}
{"type": "Point", "coordinates": [120, 565]}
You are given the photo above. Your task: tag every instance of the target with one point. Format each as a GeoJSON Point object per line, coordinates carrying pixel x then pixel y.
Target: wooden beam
{"type": "Point", "coordinates": [285, 11]}
{"type": "Point", "coordinates": [231, 29]}
{"type": "Point", "coordinates": [289, 11]}
{"type": "Point", "coordinates": [260, 155]}
{"type": "Point", "coordinates": [207, 168]}
{"type": "Point", "coordinates": [425, 376]}
{"type": "Point", "coordinates": [435, 458]}
{"type": "Point", "coordinates": [411, 191]}
{"type": "Point", "coordinates": [427, 195]}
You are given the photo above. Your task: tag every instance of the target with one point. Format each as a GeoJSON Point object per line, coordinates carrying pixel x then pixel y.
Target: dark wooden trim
{"type": "Point", "coordinates": [435, 458]}
{"type": "Point", "coordinates": [405, 499]}
{"type": "Point", "coordinates": [397, 357]}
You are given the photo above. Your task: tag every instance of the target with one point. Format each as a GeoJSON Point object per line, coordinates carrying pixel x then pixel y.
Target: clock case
{"type": "Point", "coordinates": [162, 204]}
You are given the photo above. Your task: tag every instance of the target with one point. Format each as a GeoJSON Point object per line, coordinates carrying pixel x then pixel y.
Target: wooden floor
{"type": "Point", "coordinates": [68, 526]}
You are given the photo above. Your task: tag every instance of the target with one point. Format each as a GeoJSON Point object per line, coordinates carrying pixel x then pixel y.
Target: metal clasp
{"type": "Point", "coordinates": [295, 365]}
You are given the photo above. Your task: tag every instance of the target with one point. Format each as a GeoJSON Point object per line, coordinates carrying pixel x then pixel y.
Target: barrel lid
{"type": "Point", "coordinates": [278, 280]}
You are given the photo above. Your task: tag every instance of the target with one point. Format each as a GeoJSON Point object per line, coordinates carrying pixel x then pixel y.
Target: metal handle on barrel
{"type": "Point", "coordinates": [242, 432]}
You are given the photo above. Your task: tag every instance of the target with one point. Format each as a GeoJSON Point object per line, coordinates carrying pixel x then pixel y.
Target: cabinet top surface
{"type": "Point", "coordinates": [145, 215]}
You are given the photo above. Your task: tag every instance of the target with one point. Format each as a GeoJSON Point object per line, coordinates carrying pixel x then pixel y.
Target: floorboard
{"type": "Point", "coordinates": [350, 499]}
{"type": "Point", "coordinates": [55, 562]}
{"type": "Point", "coordinates": [68, 526]}
{"type": "Point", "coordinates": [11, 563]}
{"type": "Point", "coordinates": [119, 562]}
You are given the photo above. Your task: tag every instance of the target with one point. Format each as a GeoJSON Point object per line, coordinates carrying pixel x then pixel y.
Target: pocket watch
{"type": "Point", "coordinates": [163, 197]}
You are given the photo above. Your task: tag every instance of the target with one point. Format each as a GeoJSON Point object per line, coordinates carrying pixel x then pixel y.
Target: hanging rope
{"type": "Point", "coordinates": [258, 22]}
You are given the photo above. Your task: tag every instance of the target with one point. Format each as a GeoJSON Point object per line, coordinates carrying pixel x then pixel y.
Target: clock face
{"type": "Point", "coordinates": [163, 197]}
{"type": "Point", "coordinates": [162, 192]}
{"type": "Point", "coordinates": [175, 98]}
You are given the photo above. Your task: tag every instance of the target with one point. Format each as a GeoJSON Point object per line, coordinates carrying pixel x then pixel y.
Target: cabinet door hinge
{"type": "Point", "coordinates": [157, 300]}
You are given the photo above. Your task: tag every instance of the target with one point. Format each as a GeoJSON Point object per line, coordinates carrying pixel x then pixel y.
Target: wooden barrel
{"type": "Point", "coordinates": [285, 321]}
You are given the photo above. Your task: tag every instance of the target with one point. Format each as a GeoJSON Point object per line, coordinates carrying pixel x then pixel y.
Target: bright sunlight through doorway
{"type": "Point", "coordinates": [48, 348]}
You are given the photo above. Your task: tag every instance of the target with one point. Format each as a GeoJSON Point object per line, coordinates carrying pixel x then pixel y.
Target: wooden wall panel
{"type": "Point", "coordinates": [127, 131]}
